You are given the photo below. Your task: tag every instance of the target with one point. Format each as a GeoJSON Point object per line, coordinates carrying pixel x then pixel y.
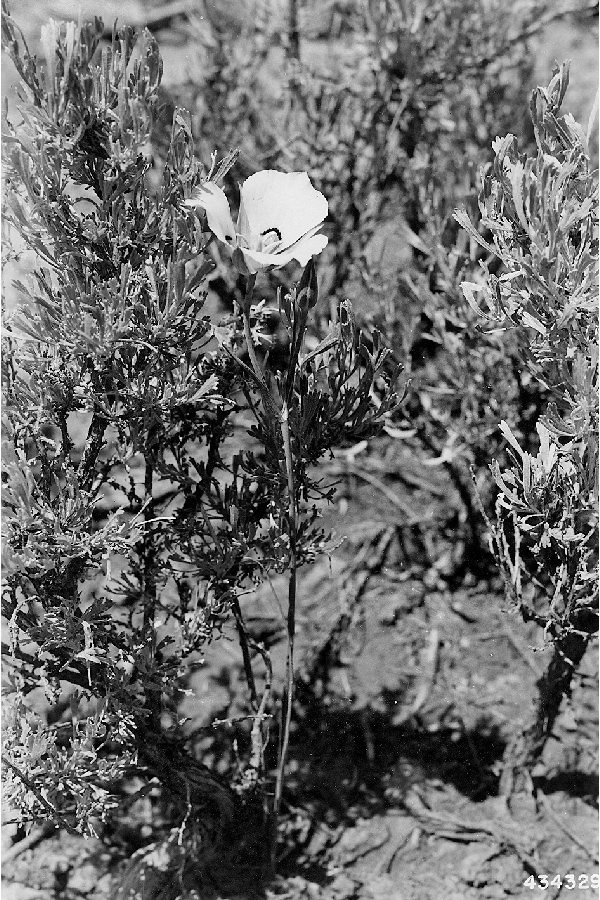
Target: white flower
{"type": "Point", "coordinates": [280, 215]}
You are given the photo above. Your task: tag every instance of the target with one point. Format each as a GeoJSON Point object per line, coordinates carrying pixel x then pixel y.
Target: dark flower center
{"type": "Point", "coordinates": [269, 231]}
{"type": "Point", "coordinates": [270, 240]}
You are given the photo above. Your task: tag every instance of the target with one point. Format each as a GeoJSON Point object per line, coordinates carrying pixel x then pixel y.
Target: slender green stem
{"type": "Point", "coordinates": [148, 579]}
{"type": "Point", "coordinates": [291, 628]}
{"type": "Point", "coordinates": [292, 583]}
{"type": "Point", "coordinates": [250, 345]}
{"type": "Point", "coordinates": [258, 737]}
{"type": "Point", "coordinates": [293, 31]}
{"type": "Point", "coordinates": [243, 639]}
{"type": "Point", "coordinates": [247, 330]}
{"type": "Point", "coordinates": [93, 445]}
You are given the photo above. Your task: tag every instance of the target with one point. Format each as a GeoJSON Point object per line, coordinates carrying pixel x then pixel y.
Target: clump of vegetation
{"type": "Point", "coordinates": [170, 404]}
{"type": "Point", "coordinates": [541, 212]}
{"type": "Point", "coordinates": [394, 126]}
{"type": "Point", "coordinates": [121, 392]}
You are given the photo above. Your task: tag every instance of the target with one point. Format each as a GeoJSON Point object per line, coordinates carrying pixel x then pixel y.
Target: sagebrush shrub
{"type": "Point", "coordinates": [150, 476]}
{"type": "Point", "coordinates": [542, 214]}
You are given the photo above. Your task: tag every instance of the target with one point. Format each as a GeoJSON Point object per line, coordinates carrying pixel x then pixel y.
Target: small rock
{"type": "Point", "coordinates": [83, 879]}
{"type": "Point", "coordinates": [16, 891]}
{"type": "Point", "coordinates": [342, 887]}
{"type": "Point", "coordinates": [383, 887]}
{"type": "Point", "coordinates": [473, 868]}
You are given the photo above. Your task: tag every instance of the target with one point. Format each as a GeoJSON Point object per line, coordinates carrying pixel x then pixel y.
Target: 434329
{"type": "Point", "coordinates": [567, 882]}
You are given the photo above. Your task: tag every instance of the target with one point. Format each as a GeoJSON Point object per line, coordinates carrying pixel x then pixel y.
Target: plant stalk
{"type": "Point", "coordinates": [526, 748]}
{"type": "Point", "coordinates": [292, 583]}
{"type": "Point", "coordinates": [243, 639]}
{"type": "Point", "coordinates": [291, 630]}
{"type": "Point", "coordinates": [247, 330]}
{"type": "Point", "coordinates": [293, 31]}
{"type": "Point", "coordinates": [148, 584]}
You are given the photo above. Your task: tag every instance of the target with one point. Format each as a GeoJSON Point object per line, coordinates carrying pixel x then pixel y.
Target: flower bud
{"type": "Point", "coordinates": [307, 292]}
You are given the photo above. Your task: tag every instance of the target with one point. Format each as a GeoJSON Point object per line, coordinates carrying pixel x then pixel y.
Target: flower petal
{"type": "Point", "coordinates": [256, 261]}
{"type": "Point", "coordinates": [307, 247]}
{"type": "Point", "coordinates": [285, 202]}
{"type": "Point", "coordinates": [211, 198]}
{"type": "Point", "coordinates": [301, 251]}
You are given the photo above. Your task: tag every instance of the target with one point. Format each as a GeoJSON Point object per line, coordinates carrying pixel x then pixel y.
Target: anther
{"type": "Point", "coordinates": [271, 231]}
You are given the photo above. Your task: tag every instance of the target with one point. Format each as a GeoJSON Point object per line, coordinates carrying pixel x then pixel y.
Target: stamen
{"type": "Point", "coordinates": [270, 239]}
{"type": "Point", "coordinates": [271, 230]}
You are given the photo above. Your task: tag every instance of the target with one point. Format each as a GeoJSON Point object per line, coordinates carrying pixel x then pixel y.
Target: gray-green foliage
{"type": "Point", "coordinates": [541, 211]}
{"type": "Point", "coordinates": [145, 476]}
